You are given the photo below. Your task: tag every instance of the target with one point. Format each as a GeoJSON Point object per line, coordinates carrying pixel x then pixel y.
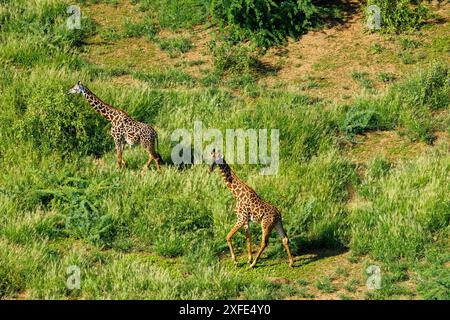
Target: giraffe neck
{"type": "Point", "coordinates": [231, 180]}
{"type": "Point", "coordinates": [99, 106]}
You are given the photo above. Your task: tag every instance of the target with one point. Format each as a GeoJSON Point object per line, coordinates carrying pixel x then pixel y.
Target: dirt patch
{"type": "Point", "coordinates": [323, 61]}
{"type": "Point", "coordinates": [278, 280]}
{"type": "Point", "coordinates": [112, 15]}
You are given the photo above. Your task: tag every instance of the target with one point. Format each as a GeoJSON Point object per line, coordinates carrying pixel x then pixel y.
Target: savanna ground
{"type": "Point", "coordinates": [364, 156]}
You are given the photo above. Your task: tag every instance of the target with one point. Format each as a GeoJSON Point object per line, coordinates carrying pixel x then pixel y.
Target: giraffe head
{"type": "Point", "coordinates": [78, 88]}
{"type": "Point", "coordinates": [216, 158]}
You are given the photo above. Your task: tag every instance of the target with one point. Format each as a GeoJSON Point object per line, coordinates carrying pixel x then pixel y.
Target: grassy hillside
{"type": "Point", "coordinates": [364, 155]}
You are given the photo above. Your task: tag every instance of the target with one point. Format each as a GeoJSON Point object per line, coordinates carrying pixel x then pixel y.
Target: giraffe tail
{"type": "Point", "coordinates": [156, 149]}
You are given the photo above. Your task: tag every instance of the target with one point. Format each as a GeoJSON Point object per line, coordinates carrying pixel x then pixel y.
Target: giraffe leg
{"type": "Point", "coordinates": [147, 164]}
{"type": "Point", "coordinates": [265, 239]}
{"type": "Point", "coordinates": [157, 159]}
{"type": "Point", "coordinates": [119, 151]}
{"type": "Point", "coordinates": [282, 233]}
{"type": "Point", "coordinates": [152, 155]}
{"type": "Point", "coordinates": [286, 246]}
{"type": "Point", "coordinates": [249, 242]}
{"type": "Point", "coordinates": [229, 236]}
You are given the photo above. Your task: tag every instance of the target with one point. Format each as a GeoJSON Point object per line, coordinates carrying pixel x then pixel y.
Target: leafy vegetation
{"type": "Point", "coordinates": [175, 14]}
{"type": "Point", "coordinates": [266, 22]}
{"type": "Point", "coordinates": [161, 235]}
{"type": "Point", "coordinates": [400, 15]}
{"type": "Point", "coordinates": [175, 45]}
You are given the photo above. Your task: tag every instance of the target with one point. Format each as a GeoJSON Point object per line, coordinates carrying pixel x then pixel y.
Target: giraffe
{"type": "Point", "coordinates": [124, 129]}
{"type": "Point", "coordinates": [249, 206]}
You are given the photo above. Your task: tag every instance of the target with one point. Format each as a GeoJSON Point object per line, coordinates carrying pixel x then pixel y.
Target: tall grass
{"type": "Point", "coordinates": [161, 235]}
{"type": "Point", "coordinates": [175, 14]}
{"type": "Point", "coordinates": [404, 210]}
{"type": "Point", "coordinates": [400, 15]}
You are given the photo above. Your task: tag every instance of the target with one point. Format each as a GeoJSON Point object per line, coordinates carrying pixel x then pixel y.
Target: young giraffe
{"type": "Point", "coordinates": [124, 129]}
{"type": "Point", "coordinates": [249, 206]}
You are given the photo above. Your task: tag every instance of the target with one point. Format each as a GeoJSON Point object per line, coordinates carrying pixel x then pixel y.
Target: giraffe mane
{"type": "Point", "coordinates": [88, 91]}
{"type": "Point", "coordinates": [226, 171]}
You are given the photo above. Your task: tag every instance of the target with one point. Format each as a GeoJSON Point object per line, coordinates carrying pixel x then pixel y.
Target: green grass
{"type": "Point", "coordinates": [407, 57]}
{"type": "Point", "coordinates": [166, 78]}
{"type": "Point", "coordinates": [407, 43]}
{"type": "Point", "coordinates": [351, 285]}
{"type": "Point", "coordinates": [144, 28]}
{"type": "Point", "coordinates": [175, 45]}
{"type": "Point", "coordinates": [376, 48]}
{"type": "Point", "coordinates": [162, 235]}
{"type": "Point", "coordinates": [386, 77]}
{"type": "Point", "coordinates": [363, 79]}
{"type": "Point", "coordinates": [175, 14]}
{"type": "Point", "coordinates": [325, 285]}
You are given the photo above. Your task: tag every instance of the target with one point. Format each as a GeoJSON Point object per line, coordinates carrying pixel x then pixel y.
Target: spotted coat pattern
{"type": "Point", "coordinates": [124, 129]}
{"type": "Point", "coordinates": [250, 207]}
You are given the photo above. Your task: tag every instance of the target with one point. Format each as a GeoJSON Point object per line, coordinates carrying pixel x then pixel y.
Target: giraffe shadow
{"type": "Point", "coordinates": [305, 258]}
{"type": "Point", "coordinates": [186, 164]}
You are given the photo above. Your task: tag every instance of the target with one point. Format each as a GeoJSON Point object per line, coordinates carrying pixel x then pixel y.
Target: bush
{"type": "Point", "coordinates": [408, 106]}
{"type": "Point", "coordinates": [400, 15]}
{"type": "Point", "coordinates": [358, 121]}
{"type": "Point", "coordinates": [231, 58]}
{"type": "Point", "coordinates": [266, 22]}
{"type": "Point", "coordinates": [45, 19]}
{"type": "Point", "coordinates": [55, 122]}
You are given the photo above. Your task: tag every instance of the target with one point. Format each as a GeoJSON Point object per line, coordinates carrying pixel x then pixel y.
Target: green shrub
{"type": "Point", "coordinates": [358, 121]}
{"type": "Point", "coordinates": [325, 285]}
{"type": "Point", "coordinates": [400, 15]}
{"type": "Point", "coordinates": [433, 87]}
{"type": "Point", "coordinates": [408, 43]}
{"type": "Point", "coordinates": [55, 122]}
{"type": "Point", "coordinates": [418, 125]}
{"type": "Point", "coordinates": [267, 22]}
{"type": "Point", "coordinates": [407, 57]}
{"type": "Point", "coordinates": [408, 106]}
{"type": "Point", "coordinates": [233, 58]}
